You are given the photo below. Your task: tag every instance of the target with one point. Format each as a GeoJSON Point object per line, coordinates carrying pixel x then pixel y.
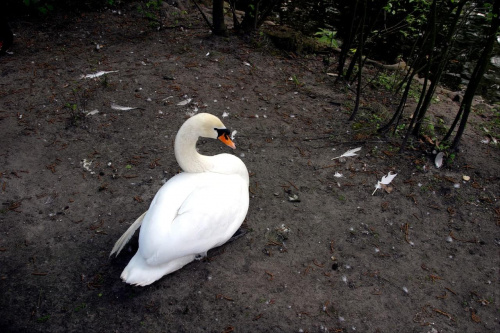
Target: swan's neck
{"type": "Point", "coordinates": [186, 154]}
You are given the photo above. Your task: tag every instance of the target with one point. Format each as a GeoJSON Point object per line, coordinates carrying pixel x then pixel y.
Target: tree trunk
{"type": "Point", "coordinates": [249, 22]}
{"type": "Point", "coordinates": [360, 64]}
{"type": "Point", "coordinates": [346, 45]}
{"type": "Point", "coordinates": [421, 108]}
{"type": "Point", "coordinates": [441, 65]}
{"type": "Point", "coordinates": [402, 102]}
{"type": "Point", "coordinates": [477, 74]}
{"type": "Point", "coordinates": [256, 11]}
{"type": "Point", "coordinates": [219, 27]}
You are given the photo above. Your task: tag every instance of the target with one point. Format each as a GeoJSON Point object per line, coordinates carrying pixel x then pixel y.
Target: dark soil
{"type": "Point", "coordinates": [322, 254]}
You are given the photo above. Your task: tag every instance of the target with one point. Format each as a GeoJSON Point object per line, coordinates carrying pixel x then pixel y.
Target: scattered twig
{"type": "Point", "coordinates": [14, 207]}
{"type": "Point", "coordinates": [257, 317]}
{"type": "Point", "coordinates": [463, 240]}
{"type": "Point", "coordinates": [271, 276]}
{"type": "Point", "coordinates": [96, 226]}
{"type": "Point", "coordinates": [451, 291]}
{"type": "Point", "coordinates": [405, 228]}
{"type": "Point", "coordinates": [292, 185]}
{"type": "Point", "coordinates": [413, 197]}
{"type": "Point", "coordinates": [434, 277]}
{"type": "Point", "coordinates": [329, 166]}
{"type": "Point", "coordinates": [443, 313]}
{"type": "Point", "coordinates": [303, 313]}
{"type": "Point", "coordinates": [220, 296]}
{"type": "Point", "coordinates": [204, 16]}
{"type": "Point", "coordinates": [52, 167]}
{"type": "Point", "coordinates": [154, 163]}
{"type": "Point", "coordinates": [228, 329]}
{"type": "Point", "coordinates": [445, 295]}
{"type": "Point", "coordinates": [318, 264]}
{"type": "Point", "coordinates": [302, 153]}
{"type": "Point", "coordinates": [325, 308]}
{"type": "Point", "coordinates": [451, 211]}
{"type": "Point", "coordinates": [483, 301]}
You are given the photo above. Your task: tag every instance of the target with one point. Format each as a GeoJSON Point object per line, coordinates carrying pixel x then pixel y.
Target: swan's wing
{"type": "Point", "coordinates": [212, 209]}
{"type": "Point", "coordinates": [163, 210]}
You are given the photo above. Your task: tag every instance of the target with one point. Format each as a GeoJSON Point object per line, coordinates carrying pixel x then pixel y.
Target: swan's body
{"type": "Point", "coordinates": [194, 211]}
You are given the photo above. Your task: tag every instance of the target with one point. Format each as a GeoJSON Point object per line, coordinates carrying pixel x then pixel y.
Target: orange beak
{"type": "Point", "coordinates": [227, 141]}
{"type": "Point", "coordinates": [223, 134]}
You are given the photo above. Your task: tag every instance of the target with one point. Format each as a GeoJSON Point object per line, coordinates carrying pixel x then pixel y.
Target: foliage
{"type": "Point", "coordinates": [406, 18]}
{"type": "Point", "coordinates": [296, 80]}
{"type": "Point", "coordinates": [256, 12]}
{"type": "Point", "coordinates": [152, 10]}
{"type": "Point", "coordinates": [75, 116]}
{"type": "Point", "coordinates": [392, 80]}
{"type": "Point", "coordinates": [43, 319]}
{"type": "Point", "coordinates": [388, 81]}
{"type": "Point", "coordinates": [46, 8]}
{"type": "Point", "coordinates": [43, 7]}
{"type": "Point", "coordinates": [327, 37]}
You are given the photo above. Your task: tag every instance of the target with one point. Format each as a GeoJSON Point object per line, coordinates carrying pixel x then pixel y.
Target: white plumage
{"type": "Point", "coordinates": [194, 211]}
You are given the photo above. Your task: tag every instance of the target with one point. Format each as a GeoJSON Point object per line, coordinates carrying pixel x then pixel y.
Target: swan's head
{"type": "Point", "coordinates": [209, 126]}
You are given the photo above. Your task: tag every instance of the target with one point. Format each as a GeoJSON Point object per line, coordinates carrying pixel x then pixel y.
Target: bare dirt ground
{"type": "Point", "coordinates": [322, 254]}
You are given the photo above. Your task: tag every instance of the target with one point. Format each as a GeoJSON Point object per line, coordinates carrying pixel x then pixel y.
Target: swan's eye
{"type": "Point", "coordinates": [224, 135]}
{"type": "Point", "coordinates": [224, 132]}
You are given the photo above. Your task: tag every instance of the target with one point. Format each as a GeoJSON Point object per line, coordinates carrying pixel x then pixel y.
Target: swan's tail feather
{"type": "Point", "coordinates": [123, 240]}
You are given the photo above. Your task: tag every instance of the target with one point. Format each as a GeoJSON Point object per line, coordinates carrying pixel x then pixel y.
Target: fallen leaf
{"type": "Point", "coordinates": [428, 139]}
{"type": "Point", "coordinates": [475, 318]}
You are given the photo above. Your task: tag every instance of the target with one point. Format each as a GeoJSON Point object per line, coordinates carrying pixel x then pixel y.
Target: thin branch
{"type": "Point", "coordinates": [204, 16]}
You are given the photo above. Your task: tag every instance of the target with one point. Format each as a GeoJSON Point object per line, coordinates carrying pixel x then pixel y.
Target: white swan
{"type": "Point", "coordinates": [194, 211]}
